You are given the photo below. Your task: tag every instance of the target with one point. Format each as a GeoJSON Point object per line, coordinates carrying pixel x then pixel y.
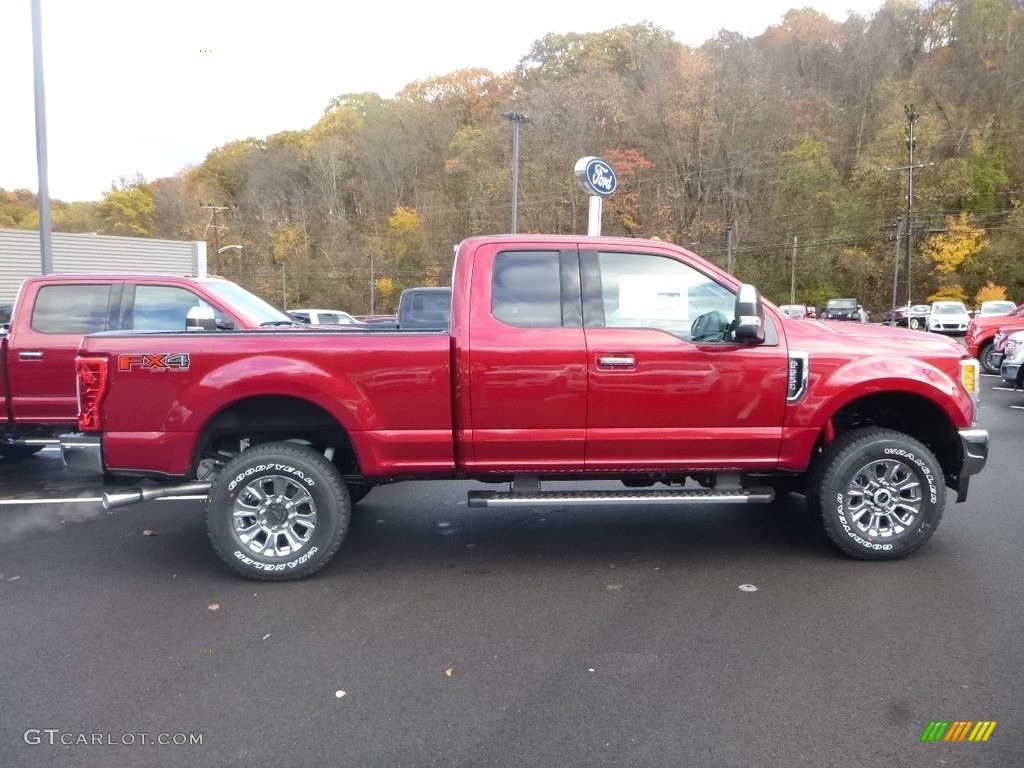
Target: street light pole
{"type": "Point", "coordinates": [45, 223]}
{"type": "Point", "coordinates": [517, 120]}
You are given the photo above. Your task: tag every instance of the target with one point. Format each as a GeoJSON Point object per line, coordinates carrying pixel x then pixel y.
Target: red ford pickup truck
{"type": "Point", "coordinates": [38, 393]}
{"type": "Point", "coordinates": [567, 358]}
{"type": "Point", "coordinates": [981, 337]}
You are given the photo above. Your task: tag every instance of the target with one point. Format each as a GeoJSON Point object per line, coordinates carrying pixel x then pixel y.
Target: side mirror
{"type": "Point", "coordinates": [200, 319]}
{"type": "Point", "coordinates": [749, 316]}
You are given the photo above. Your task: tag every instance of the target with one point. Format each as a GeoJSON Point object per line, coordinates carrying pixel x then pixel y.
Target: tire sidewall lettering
{"type": "Point", "coordinates": [274, 467]}
{"type": "Point", "coordinates": [260, 566]}
{"type": "Point", "coordinates": [926, 470]}
{"type": "Point", "coordinates": [841, 509]}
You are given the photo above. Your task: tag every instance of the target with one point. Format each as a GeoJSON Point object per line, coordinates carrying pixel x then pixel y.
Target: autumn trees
{"type": "Point", "coordinates": [794, 139]}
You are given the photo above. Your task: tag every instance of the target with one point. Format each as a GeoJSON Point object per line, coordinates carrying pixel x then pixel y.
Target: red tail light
{"type": "Point", "coordinates": [92, 385]}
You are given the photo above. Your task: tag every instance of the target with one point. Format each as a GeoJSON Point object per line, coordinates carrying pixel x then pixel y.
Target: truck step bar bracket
{"type": "Point", "coordinates": [608, 498]}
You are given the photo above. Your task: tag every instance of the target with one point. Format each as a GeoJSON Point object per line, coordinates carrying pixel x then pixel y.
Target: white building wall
{"type": "Point", "coordinates": [20, 256]}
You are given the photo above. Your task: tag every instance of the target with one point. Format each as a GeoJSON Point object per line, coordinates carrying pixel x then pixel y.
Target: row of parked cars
{"type": "Point", "coordinates": [994, 333]}
{"type": "Point", "coordinates": [951, 317]}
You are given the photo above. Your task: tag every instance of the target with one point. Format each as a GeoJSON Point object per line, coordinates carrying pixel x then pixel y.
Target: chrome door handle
{"type": "Point", "coordinates": [30, 355]}
{"type": "Point", "coordinates": [617, 361]}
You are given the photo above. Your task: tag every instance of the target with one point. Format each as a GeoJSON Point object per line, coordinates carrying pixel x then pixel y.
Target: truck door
{"type": "Point", "coordinates": [521, 386]}
{"type": "Point", "coordinates": [667, 387]}
{"type": "Point", "coordinates": [41, 352]}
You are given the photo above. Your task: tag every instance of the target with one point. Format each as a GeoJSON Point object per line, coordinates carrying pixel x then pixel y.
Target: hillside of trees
{"type": "Point", "coordinates": [790, 145]}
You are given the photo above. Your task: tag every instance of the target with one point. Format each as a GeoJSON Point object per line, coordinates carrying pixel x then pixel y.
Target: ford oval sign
{"type": "Point", "coordinates": [595, 176]}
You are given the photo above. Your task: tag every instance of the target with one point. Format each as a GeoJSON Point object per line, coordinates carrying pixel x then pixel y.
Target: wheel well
{"type": "Point", "coordinates": [913, 415]}
{"type": "Point", "coordinates": [267, 419]}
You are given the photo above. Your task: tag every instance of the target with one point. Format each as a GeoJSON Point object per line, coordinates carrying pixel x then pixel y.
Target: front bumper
{"type": "Point", "coordinates": [82, 453]}
{"type": "Point", "coordinates": [1009, 372]}
{"type": "Point", "coordinates": [974, 449]}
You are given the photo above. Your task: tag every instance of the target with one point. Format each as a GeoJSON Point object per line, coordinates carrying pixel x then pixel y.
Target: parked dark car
{"type": "Point", "coordinates": [844, 309]}
{"type": "Point", "coordinates": [914, 316]}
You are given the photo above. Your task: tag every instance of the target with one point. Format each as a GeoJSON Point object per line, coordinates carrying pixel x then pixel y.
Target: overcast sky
{"type": "Point", "coordinates": [151, 86]}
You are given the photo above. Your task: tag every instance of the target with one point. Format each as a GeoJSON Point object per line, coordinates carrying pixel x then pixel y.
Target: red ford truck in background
{"type": "Point", "coordinates": [981, 336]}
{"type": "Point", "coordinates": [38, 394]}
{"type": "Point", "coordinates": [567, 358]}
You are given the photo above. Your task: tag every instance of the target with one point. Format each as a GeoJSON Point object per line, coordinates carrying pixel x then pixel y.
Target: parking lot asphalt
{"type": "Point", "coordinates": [445, 636]}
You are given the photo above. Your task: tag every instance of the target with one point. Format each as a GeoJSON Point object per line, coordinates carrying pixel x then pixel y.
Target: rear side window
{"type": "Point", "coordinates": [526, 289]}
{"type": "Point", "coordinates": [78, 309]}
{"type": "Point", "coordinates": [162, 307]}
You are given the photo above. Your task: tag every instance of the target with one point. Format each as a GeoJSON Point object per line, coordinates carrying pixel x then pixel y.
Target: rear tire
{"type": "Point", "coordinates": [914, 323]}
{"type": "Point", "coordinates": [878, 493]}
{"type": "Point", "coordinates": [278, 512]}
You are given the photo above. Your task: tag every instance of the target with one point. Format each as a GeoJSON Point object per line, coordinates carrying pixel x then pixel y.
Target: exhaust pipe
{"type": "Point", "coordinates": [136, 495]}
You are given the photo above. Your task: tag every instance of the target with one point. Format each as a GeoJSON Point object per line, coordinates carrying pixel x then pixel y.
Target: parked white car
{"type": "Point", "coordinates": [1013, 359]}
{"type": "Point", "coordinates": [949, 317]}
{"type": "Point", "coordinates": [323, 317]}
{"type": "Point", "coordinates": [995, 308]}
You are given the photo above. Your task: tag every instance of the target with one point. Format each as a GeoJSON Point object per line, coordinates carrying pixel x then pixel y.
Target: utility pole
{"type": "Point", "coordinates": [912, 120]}
{"type": "Point", "coordinates": [896, 261]}
{"type": "Point", "coordinates": [212, 223]}
{"type": "Point", "coordinates": [517, 120]}
{"type": "Point", "coordinates": [792, 276]}
{"type": "Point", "coordinates": [728, 248]}
{"type": "Point", "coordinates": [909, 168]}
{"type": "Point", "coordinates": [373, 285]}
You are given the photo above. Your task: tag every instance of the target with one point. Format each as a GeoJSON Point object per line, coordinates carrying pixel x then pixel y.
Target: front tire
{"type": "Point", "coordinates": [278, 512]}
{"type": "Point", "coordinates": [878, 493]}
{"type": "Point", "coordinates": [985, 358]}
{"type": "Point", "coordinates": [914, 323]}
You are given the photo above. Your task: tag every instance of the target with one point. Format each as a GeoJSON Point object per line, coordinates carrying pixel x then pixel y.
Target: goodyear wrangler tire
{"type": "Point", "coordinates": [278, 512]}
{"type": "Point", "coordinates": [879, 493]}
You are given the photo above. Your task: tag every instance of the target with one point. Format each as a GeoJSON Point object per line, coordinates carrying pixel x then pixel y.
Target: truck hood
{"type": "Point", "coordinates": [871, 339]}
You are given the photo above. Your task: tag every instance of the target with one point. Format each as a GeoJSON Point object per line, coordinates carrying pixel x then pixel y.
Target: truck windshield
{"type": "Point", "coordinates": [842, 304]}
{"type": "Point", "coordinates": [256, 309]}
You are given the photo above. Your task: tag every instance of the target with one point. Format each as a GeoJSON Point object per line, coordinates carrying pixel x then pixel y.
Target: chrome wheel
{"type": "Point", "coordinates": [877, 493]}
{"type": "Point", "coordinates": [884, 498]}
{"type": "Point", "coordinates": [274, 516]}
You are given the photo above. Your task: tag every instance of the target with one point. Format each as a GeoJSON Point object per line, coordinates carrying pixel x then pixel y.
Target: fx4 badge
{"type": "Point", "coordinates": [161, 361]}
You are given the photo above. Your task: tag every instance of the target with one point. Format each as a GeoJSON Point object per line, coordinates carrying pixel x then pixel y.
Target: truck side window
{"type": "Point", "coordinates": [526, 289]}
{"type": "Point", "coordinates": [162, 308]}
{"type": "Point", "coordinates": [647, 291]}
{"type": "Point", "coordinates": [77, 309]}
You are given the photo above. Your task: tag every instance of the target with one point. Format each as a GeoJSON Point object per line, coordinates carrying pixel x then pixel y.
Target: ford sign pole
{"type": "Point", "coordinates": [597, 179]}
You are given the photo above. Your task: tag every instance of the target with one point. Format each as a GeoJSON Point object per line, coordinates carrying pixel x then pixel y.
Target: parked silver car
{"type": "Point", "coordinates": [1013, 360]}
